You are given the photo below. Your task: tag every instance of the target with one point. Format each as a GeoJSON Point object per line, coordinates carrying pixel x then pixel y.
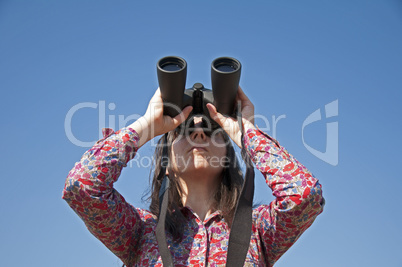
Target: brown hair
{"type": "Point", "coordinates": [225, 198]}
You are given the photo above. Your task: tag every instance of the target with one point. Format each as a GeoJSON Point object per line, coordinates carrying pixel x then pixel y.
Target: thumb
{"type": "Point", "coordinates": [215, 115]}
{"type": "Point", "coordinates": [180, 118]}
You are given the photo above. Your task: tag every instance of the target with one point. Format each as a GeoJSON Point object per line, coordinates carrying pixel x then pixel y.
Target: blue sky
{"type": "Point", "coordinates": [297, 57]}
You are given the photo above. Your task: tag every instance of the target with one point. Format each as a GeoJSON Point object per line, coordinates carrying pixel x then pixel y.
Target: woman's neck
{"type": "Point", "coordinates": [199, 194]}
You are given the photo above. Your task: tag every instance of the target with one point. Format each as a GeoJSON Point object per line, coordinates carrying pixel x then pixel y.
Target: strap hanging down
{"type": "Point", "coordinates": [240, 232]}
{"type": "Point", "coordinates": [163, 206]}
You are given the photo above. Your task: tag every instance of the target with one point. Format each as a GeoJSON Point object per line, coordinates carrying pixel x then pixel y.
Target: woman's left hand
{"type": "Point", "coordinates": [229, 124]}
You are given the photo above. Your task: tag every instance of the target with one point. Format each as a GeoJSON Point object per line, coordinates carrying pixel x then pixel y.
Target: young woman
{"type": "Point", "coordinates": [205, 183]}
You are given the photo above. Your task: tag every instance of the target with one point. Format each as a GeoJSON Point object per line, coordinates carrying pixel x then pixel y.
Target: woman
{"type": "Point", "coordinates": [205, 184]}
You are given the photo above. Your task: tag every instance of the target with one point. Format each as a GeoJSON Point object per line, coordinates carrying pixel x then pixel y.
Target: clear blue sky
{"type": "Point", "coordinates": [297, 57]}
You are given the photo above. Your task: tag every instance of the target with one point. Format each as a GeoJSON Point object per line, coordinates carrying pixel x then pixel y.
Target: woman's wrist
{"type": "Point", "coordinates": [247, 125]}
{"type": "Point", "coordinates": [141, 126]}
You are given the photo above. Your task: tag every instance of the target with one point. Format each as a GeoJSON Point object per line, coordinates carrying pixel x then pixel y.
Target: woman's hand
{"type": "Point", "coordinates": [230, 125]}
{"type": "Point", "coordinates": [154, 123]}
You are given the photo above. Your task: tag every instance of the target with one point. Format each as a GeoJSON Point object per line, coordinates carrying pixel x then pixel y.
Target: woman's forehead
{"type": "Point", "coordinates": [197, 120]}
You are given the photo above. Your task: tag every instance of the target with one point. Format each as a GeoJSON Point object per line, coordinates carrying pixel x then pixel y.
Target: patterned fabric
{"type": "Point", "coordinates": [129, 232]}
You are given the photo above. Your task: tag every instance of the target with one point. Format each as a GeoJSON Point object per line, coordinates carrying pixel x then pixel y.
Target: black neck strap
{"type": "Point", "coordinates": [240, 233]}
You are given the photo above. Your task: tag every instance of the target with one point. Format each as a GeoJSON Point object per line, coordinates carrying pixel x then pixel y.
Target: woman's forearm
{"type": "Point", "coordinates": [90, 193]}
{"type": "Point", "coordinates": [298, 194]}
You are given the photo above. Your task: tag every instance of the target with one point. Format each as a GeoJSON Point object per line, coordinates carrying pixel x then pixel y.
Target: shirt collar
{"type": "Point", "coordinates": [190, 213]}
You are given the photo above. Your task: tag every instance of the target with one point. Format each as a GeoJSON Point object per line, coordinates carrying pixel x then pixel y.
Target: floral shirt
{"type": "Point", "coordinates": [129, 232]}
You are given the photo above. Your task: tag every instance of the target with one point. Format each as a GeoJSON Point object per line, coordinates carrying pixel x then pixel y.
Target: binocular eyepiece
{"type": "Point", "coordinates": [225, 77]}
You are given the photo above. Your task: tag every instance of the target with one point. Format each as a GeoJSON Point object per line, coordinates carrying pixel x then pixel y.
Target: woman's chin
{"type": "Point", "coordinates": [200, 168]}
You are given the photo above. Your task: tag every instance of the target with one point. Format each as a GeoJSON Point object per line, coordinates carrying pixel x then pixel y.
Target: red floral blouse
{"type": "Point", "coordinates": [129, 232]}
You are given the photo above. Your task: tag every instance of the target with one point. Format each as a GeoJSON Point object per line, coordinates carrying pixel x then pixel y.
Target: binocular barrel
{"type": "Point", "coordinates": [172, 75]}
{"type": "Point", "coordinates": [225, 77]}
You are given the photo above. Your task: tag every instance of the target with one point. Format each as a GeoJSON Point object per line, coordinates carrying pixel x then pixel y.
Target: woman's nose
{"type": "Point", "coordinates": [198, 131]}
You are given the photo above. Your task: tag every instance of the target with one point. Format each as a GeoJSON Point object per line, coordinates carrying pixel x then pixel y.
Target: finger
{"type": "Point", "coordinates": [157, 94]}
{"type": "Point", "coordinates": [227, 124]}
{"type": "Point", "coordinates": [157, 97]}
{"type": "Point", "coordinates": [180, 118]}
{"type": "Point", "coordinates": [215, 115]}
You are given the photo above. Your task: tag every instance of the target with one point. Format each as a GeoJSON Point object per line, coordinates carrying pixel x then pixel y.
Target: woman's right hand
{"type": "Point", "coordinates": [154, 123]}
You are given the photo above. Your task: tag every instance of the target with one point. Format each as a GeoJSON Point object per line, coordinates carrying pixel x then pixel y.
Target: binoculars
{"type": "Point", "coordinates": [225, 77]}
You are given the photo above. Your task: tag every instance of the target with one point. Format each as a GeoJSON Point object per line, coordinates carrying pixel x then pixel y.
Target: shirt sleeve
{"type": "Point", "coordinates": [89, 192]}
{"type": "Point", "coordinates": [298, 195]}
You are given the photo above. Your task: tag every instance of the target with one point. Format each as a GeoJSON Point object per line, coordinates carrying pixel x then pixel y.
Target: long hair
{"type": "Point", "coordinates": [225, 197]}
